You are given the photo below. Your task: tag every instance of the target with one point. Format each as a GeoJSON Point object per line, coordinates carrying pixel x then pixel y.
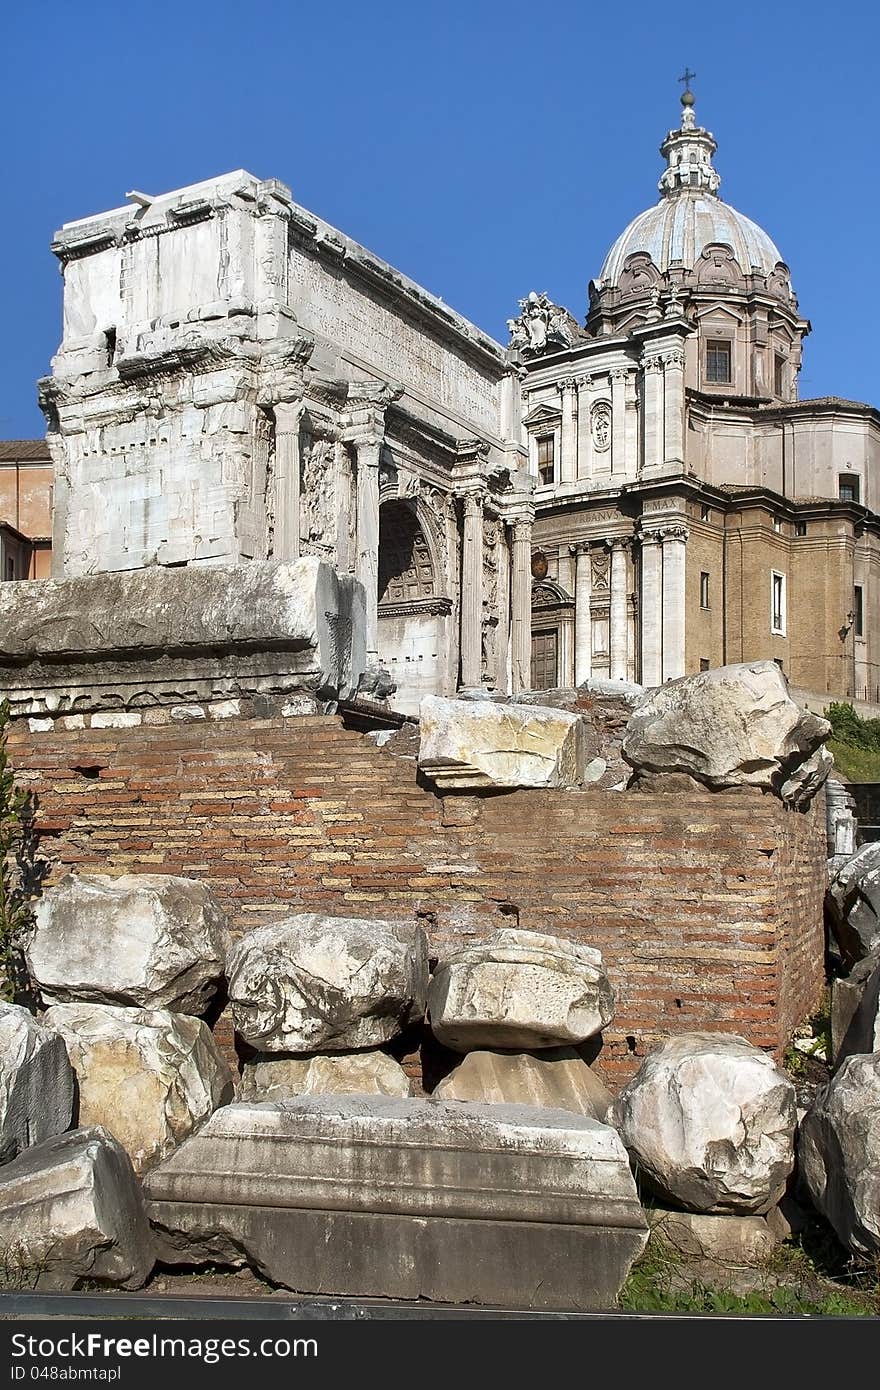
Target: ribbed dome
{"type": "Point", "coordinates": [690, 216]}
{"type": "Point", "coordinates": [677, 229]}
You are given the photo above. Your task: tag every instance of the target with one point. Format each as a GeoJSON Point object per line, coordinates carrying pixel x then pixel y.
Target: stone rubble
{"type": "Point", "coordinates": [148, 1076]}
{"type": "Point", "coordinates": [710, 1121]}
{"type": "Point", "coordinates": [146, 940]}
{"type": "Point", "coordinates": [71, 1209]}
{"type": "Point", "coordinates": [853, 904]}
{"type": "Point", "coordinates": [519, 989]}
{"type": "Point", "coordinates": [734, 726]}
{"type": "Point", "coordinates": [314, 983]}
{"type": "Point", "coordinates": [36, 1082]}
{"type": "Point", "coordinates": [855, 1010]}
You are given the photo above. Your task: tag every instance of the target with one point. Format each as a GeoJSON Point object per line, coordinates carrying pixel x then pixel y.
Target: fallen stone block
{"type": "Point", "coordinates": [558, 1078]}
{"type": "Point", "coordinates": [148, 1076]}
{"type": "Point", "coordinates": [468, 744]}
{"type": "Point", "coordinates": [737, 1240]}
{"type": "Point", "coordinates": [36, 1082]}
{"type": "Point", "coordinates": [855, 1010]}
{"type": "Point", "coordinates": [709, 1120]}
{"type": "Point", "coordinates": [313, 983]}
{"type": "Point", "coordinates": [342, 1073]}
{"type": "Point", "coordinates": [380, 1197]}
{"type": "Point", "coordinates": [839, 1153]}
{"type": "Point", "coordinates": [519, 989]}
{"type": "Point", "coordinates": [147, 940]}
{"type": "Point", "coordinates": [71, 1209]}
{"type": "Point", "coordinates": [735, 726]}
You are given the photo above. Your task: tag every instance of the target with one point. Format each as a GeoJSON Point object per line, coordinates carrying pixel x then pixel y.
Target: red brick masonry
{"type": "Point", "coordinates": [707, 908]}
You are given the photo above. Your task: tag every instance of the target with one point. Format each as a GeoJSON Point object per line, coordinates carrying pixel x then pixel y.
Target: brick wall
{"type": "Point", "coordinates": [707, 908]}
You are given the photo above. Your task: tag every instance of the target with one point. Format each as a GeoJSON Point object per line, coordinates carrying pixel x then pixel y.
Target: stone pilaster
{"type": "Point", "coordinates": [674, 539]}
{"type": "Point", "coordinates": [651, 609]}
{"type": "Point", "coordinates": [569, 442]}
{"type": "Point", "coordinates": [583, 622]}
{"type": "Point", "coordinates": [619, 617]}
{"type": "Point", "coordinates": [472, 590]}
{"type": "Point", "coordinates": [584, 433]}
{"type": "Point", "coordinates": [521, 603]}
{"type": "Point", "coordinates": [652, 412]}
{"type": "Point", "coordinates": [618, 419]}
{"type": "Point", "coordinates": [288, 419]}
{"type": "Point", "coordinates": [367, 548]}
{"type": "Point", "coordinates": [673, 408]}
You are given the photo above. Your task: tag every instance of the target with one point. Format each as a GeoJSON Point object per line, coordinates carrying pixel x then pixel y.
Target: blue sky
{"type": "Point", "coordinates": [483, 148]}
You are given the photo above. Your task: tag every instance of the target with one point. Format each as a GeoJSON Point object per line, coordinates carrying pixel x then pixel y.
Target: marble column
{"type": "Point", "coordinates": [367, 564]}
{"type": "Point", "coordinates": [619, 616]}
{"type": "Point", "coordinates": [288, 417]}
{"type": "Point", "coordinates": [472, 591]}
{"type": "Point", "coordinates": [569, 443]}
{"type": "Point", "coordinates": [673, 407]}
{"type": "Point", "coordinates": [674, 539]}
{"type": "Point", "coordinates": [521, 605]}
{"type": "Point", "coordinates": [652, 413]}
{"type": "Point", "coordinates": [583, 621]}
{"type": "Point", "coordinates": [651, 610]}
{"type": "Point", "coordinates": [342, 468]}
{"type": "Point", "coordinates": [618, 419]}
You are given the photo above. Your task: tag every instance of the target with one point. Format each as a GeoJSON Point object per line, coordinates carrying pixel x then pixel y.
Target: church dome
{"type": "Point", "coordinates": [690, 215]}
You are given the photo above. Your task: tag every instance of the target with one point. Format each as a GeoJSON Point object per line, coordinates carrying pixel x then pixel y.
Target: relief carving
{"type": "Point", "coordinates": [600, 425]}
{"type": "Point", "coordinates": [541, 326]}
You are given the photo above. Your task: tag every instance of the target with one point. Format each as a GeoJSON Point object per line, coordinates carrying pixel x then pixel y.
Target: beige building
{"type": "Point", "coordinates": [634, 498]}
{"type": "Point", "coordinates": [690, 509]}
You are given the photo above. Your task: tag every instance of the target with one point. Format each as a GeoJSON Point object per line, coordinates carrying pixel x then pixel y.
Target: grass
{"type": "Point", "coordinates": [807, 1276]}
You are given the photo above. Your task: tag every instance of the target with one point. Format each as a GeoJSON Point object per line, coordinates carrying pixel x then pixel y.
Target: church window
{"type": "Point", "coordinates": [704, 663]}
{"type": "Point", "coordinates": [777, 524]}
{"type": "Point", "coordinates": [705, 513]}
{"type": "Point", "coordinates": [779, 375]}
{"type": "Point", "coordinates": [546, 451]}
{"type": "Point", "coordinates": [800, 528]}
{"type": "Point", "coordinates": [718, 360]}
{"type": "Point", "coordinates": [858, 611]}
{"type": "Point", "coordinates": [848, 488]}
{"type": "Point", "coordinates": [704, 589]}
{"type": "Point", "coordinates": [777, 603]}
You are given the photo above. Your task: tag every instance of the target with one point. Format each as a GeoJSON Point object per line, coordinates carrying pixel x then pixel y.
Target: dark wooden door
{"type": "Point", "coordinates": [544, 660]}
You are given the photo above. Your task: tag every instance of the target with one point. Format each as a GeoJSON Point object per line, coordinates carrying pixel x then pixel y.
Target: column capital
{"type": "Point", "coordinates": [474, 501]}
{"type": "Point", "coordinates": [673, 357]}
{"type": "Point", "coordinates": [652, 362]}
{"type": "Point", "coordinates": [566, 383]}
{"type": "Point", "coordinates": [521, 529]}
{"type": "Point", "coordinates": [673, 532]}
{"type": "Point", "coordinates": [288, 415]}
{"type": "Point", "coordinates": [620, 373]}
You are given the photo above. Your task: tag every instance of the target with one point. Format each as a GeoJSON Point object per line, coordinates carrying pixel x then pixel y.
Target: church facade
{"type": "Point", "coordinates": [634, 497]}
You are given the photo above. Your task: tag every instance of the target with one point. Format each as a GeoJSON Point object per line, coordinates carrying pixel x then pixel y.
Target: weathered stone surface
{"type": "Point", "coordinates": [72, 1209]}
{"type": "Point", "coordinates": [36, 1082]}
{"type": "Point", "coordinates": [519, 989]}
{"type": "Point", "coordinates": [710, 1121]}
{"type": "Point", "coordinates": [855, 1010]}
{"type": "Point", "coordinates": [740, 1240]}
{"type": "Point", "coordinates": [853, 904]}
{"type": "Point", "coordinates": [148, 1076]}
{"type": "Point", "coordinates": [181, 634]}
{"type": "Point", "coordinates": [342, 1073]}
{"type": "Point", "coordinates": [313, 983]}
{"type": "Point", "coordinates": [839, 1153]}
{"type": "Point", "coordinates": [466, 744]}
{"type": "Point", "coordinates": [376, 1196]}
{"type": "Point", "coordinates": [731, 727]}
{"type": "Point", "coordinates": [151, 940]}
{"type": "Point", "coordinates": [557, 1077]}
